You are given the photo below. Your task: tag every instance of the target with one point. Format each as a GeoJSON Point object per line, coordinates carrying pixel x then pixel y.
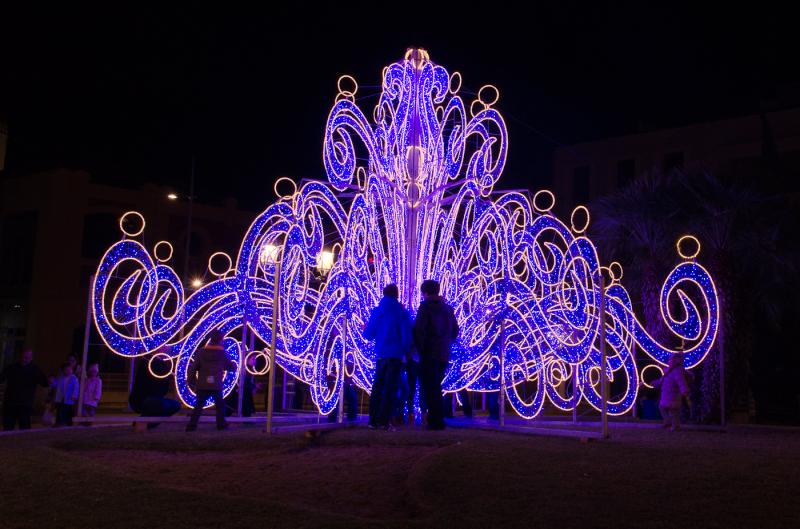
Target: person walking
{"type": "Point", "coordinates": [435, 331]}
{"type": "Point", "coordinates": [208, 371]}
{"type": "Point", "coordinates": [390, 326]}
{"type": "Point", "coordinates": [674, 388]}
{"type": "Point", "coordinates": [21, 379]}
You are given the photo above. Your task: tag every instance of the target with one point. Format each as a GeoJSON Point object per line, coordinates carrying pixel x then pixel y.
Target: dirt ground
{"type": "Point", "coordinates": [640, 478]}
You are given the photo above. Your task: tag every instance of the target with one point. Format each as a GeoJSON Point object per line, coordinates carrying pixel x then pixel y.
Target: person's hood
{"type": "Point", "coordinates": [389, 302]}
{"type": "Point", "coordinates": [434, 299]}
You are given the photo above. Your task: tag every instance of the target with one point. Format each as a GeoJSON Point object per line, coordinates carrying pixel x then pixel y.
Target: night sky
{"type": "Point", "coordinates": [130, 94]}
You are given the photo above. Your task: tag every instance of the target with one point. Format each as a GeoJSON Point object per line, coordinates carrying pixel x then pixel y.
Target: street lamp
{"type": "Point", "coordinates": [190, 198]}
{"type": "Point", "coordinates": [268, 254]}
{"type": "Point", "coordinates": [324, 262]}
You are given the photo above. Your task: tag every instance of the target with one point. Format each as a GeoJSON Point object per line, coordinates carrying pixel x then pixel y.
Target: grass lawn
{"type": "Point", "coordinates": [113, 477]}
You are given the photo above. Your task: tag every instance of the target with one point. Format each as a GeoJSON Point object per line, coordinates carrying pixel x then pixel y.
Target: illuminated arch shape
{"type": "Point", "coordinates": [410, 195]}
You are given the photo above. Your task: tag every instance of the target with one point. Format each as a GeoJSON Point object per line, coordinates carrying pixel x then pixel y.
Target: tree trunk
{"type": "Point", "coordinates": [651, 292]}
{"type": "Point", "coordinates": [729, 336]}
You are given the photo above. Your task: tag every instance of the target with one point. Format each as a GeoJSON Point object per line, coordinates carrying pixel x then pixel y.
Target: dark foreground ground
{"type": "Point", "coordinates": [114, 477]}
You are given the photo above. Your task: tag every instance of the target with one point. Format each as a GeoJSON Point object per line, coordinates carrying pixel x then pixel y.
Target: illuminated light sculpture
{"type": "Point", "coordinates": [410, 196]}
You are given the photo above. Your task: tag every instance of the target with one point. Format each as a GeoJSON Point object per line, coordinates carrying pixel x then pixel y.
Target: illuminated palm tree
{"type": "Point", "coordinates": [638, 226]}
{"type": "Point", "coordinates": [739, 228]}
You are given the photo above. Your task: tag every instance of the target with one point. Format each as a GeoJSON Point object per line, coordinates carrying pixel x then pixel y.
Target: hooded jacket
{"type": "Point", "coordinates": [210, 364]}
{"type": "Point", "coordinates": [435, 329]}
{"type": "Point", "coordinates": [21, 381]}
{"type": "Point", "coordinates": [390, 326]}
{"type": "Point", "coordinates": [673, 387]}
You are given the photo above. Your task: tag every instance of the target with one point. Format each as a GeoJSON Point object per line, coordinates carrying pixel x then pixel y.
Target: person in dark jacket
{"type": "Point", "coordinates": [390, 326]}
{"type": "Point", "coordinates": [435, 331]}
{"type": "Point", "coordinates": [414, 382]}
{"type": "Point", "coordinates": [21, 379]}
{"type": "Point", "coordinates": [350, 401]}
{"type": "Point", "coordinates": [148, 395]}
{"type": "Point", "coordinates": [208, 371]}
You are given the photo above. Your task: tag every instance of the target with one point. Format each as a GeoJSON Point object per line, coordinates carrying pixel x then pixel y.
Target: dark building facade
{"type": "Point", "coordinates": [55, 227]}
{"type": "Point", "coordinates": [732, 148]}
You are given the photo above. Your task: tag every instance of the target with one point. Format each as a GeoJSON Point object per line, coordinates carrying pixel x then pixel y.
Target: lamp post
{"type": "Point", "coordinates": [273, 255]}
{"type": "Point", "coordinates": [603, 358]}
{"type": "Point", "coordinates": [196, 282]}
{"type": "Point", "coordinates": [190, 198]}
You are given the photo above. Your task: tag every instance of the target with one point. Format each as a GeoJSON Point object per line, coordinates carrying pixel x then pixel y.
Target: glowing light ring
{"type": "Point", "coordinates": [498, 258]}
{"type": "Point", "coordinates": [541, 207]}
{"type": "Point", "coordinates": [284, 179]}
{"type": "Point", "coordinates": [688, 255]}
{"type": "Point", "coordinates": [455, 83]}
{"type": "Point", "coordinates": [227, 267]}
{"type": "Point", "coordinates": [159, 245]}
{"type": "Point", "coordinates": [482, 97]}
{"type": "Point", "coordinates": [123, 219]}
{"type": "Point", "coordinates": [258, 353]}
{"type": "Point", "coordinates": [160, 355]}
{"type": "Point", "coordinates": [584, 211]}
{"type": "Point", "coordinates": [348, 91]}
{"type": "Point", "coordinates": [615, 270]}
{"type": "Point", "coordinates": [651, 366]}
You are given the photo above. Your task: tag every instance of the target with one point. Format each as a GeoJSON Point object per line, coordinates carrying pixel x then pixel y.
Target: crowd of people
{"type": "Point", "coordinates": [410, 356]}
{"type": "Point", "coordinates": [63, 392]}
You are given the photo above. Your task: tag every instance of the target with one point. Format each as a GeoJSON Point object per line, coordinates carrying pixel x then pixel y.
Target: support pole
{"type": "Point", "coordinates": [283, 397]}
{"type": "Point", "coordinates": [189, 224]}
{"type": "Point", "coordinates": [603, 359]}
{"type": "Point", "coordinates": [574, 393]}
{"type": "Point", "coordinates": [252, 347]}
{"type": "Point", "coordinates": [344, 355]}
{"type": "Point", "coordinates": [130, 381]}
{"type": "Point", "coordinates": [721, 360]}
{"type": "Point", "coordinates": [242, 368]}
{"type": "Point", "coordinates": [86, 332]}
{"type": "Point", "coordinates": [501, 398]}
{"type": "Point", "coordinates": [274, 338]}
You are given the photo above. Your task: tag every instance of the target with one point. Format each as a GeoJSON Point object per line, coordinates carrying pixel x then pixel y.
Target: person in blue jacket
{"type": "Point", "coordinates": [390, 326]}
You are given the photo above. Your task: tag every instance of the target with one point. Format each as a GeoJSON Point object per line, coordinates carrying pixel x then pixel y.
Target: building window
{"type": "Point", "coordinates": [17, 245]}
{"type": "Point", "coordinates": [672, 161]}
{"type": "Point", "coordinates": [626, 172]}
{"type": "Point", "coordinates": [580, 184]}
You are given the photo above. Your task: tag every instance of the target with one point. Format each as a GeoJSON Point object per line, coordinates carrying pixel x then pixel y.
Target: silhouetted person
{"type": "Point", "coordinates": [21, 379]}
{"type": "Point", "coordinates": [465, 398]}
{"type": "Point", "coordinates": [208, 371]}
{"type": "Point", "coordinates": [674, 388]}
{"type": "Point", "coordinates": [390, 326]}
{"type": "Point", "coordinates": [148, 395]}
{"type": "Point", "coordinates": [298, 397]}
{"type": "Point", "coordinates": [435, 331]}
{"type": "Point", "coordinates": [76, 367]}
{"type": "Point", "coordinates": [350, 402]}
{"type": "Point", "coordinates": [413, 376]}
